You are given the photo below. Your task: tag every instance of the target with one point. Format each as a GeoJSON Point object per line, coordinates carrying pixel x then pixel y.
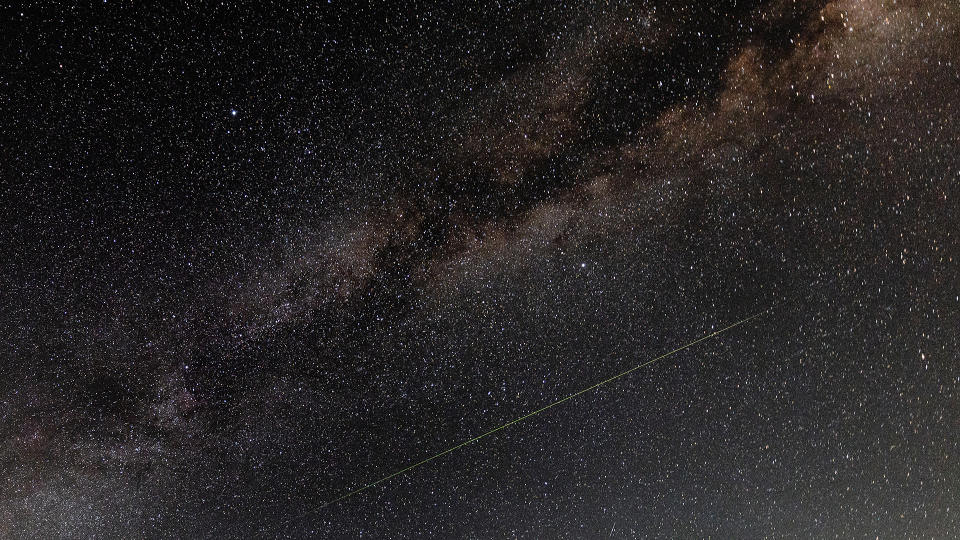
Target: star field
{"type": "Point", "coordinates": [257, 257]}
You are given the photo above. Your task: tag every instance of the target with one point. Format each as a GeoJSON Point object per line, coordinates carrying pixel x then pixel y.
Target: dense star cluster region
{"type": "Point", "coordinates": [257, 257]}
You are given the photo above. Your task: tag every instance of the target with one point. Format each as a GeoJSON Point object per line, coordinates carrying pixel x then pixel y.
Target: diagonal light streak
{"type": "Point", "coordinates": [542, 409]}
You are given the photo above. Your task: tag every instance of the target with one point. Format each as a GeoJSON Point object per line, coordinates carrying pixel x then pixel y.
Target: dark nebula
{"type": "Point", "coordinates": [254, 258]}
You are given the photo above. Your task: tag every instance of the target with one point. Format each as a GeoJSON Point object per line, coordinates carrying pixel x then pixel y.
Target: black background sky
{"type": "Point", "coordinates": [254, 257]}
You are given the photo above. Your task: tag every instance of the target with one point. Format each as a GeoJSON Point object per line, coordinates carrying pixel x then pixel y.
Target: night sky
{"type": "Point", "coordinates": [253, 258]}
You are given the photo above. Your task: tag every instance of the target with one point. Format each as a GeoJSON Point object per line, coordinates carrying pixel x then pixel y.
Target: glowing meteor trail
{"type": "Point", "coordinates": [540, 410]}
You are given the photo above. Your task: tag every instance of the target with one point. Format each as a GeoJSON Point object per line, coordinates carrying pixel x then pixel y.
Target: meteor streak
{"type": "Point", "coordinates": [542, 409]}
